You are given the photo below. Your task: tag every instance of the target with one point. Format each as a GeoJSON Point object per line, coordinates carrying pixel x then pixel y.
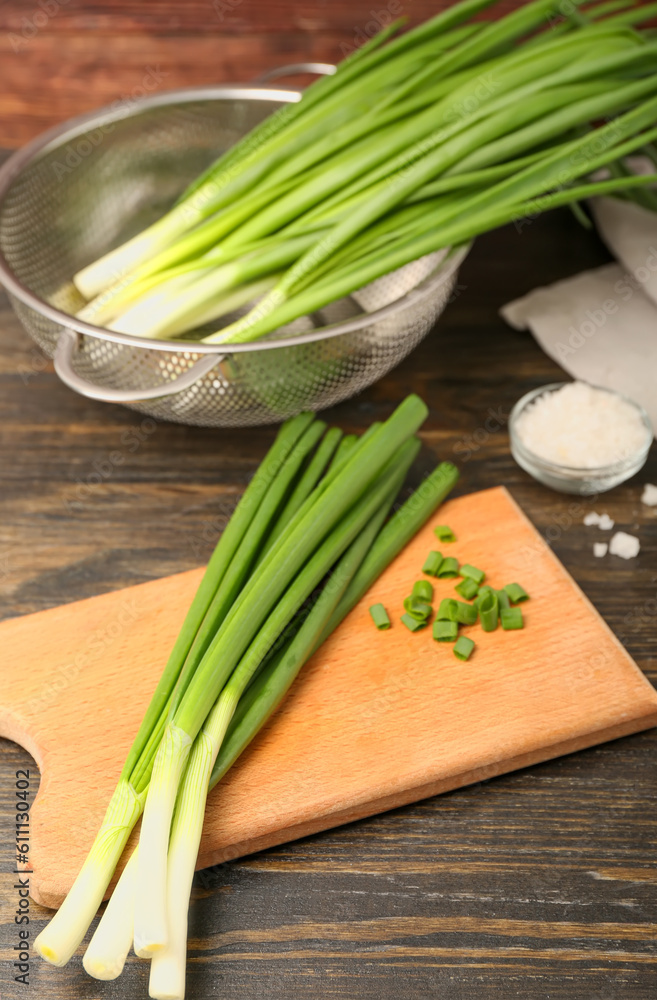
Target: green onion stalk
{"type": "Point", "coordinates": [167, 977]}
{"type": "Point", "coordinates": [59, 940]}
{"type": "Point", "coordinates": [313, 499]}
{"type": "Point", "coordinates": [241, 718]}
{"type": "Point", "coordinates": [302, 123]}
{"type": "Point", "coordinates": [453, 223]}
{"type": "Point", "coordinates": [435, 117]}
{"type": "Point", "coordinates": [255, 603]}
{"type": "Point", "coordinates": [328, 103]}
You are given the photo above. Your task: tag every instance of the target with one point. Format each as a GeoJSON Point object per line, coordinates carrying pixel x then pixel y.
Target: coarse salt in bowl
{"type": "Point", "coordinates": [579, 438]}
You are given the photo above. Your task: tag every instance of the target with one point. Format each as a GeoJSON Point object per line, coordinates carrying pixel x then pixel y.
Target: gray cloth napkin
{"type": "Point", "coordinates": [601, 326]}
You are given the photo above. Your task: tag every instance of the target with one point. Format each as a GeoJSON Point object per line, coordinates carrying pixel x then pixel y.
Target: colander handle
{"type": "Point", "coordinates": [320, 69]}
{"type": "Point", "coordinates": [65, 352]}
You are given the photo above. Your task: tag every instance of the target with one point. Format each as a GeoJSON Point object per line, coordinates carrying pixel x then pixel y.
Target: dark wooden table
{"type": "Point", "coordinates": [537, 884]}
{"type": "Point", "coordinates": [59, 58]}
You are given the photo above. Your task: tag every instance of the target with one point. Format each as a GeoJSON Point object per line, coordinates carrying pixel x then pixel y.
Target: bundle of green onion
{"type": "Point", "coordinates": [419, 142]}
{"type": "Point", "coordinates": [308, 538]}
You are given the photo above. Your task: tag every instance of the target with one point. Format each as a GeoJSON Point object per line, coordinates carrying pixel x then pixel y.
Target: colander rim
{"type": "Point", "coordinates": [62, 134]}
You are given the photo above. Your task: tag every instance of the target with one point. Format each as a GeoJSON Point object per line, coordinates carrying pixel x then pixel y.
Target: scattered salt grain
{"type": "Point", "coordinates": [649, 495]}
{"type": "Point", "coordinates": [582, 427]}
{"type": "Point", "coordinates": [600, 549]}
{"type": "Point", "coordinates": [601, 520]}
{"type": "Point", "coordinates": [624, 545]}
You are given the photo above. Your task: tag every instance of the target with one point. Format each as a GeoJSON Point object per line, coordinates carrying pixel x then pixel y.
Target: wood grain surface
{"type": "Point", "coordinates": [359, 733]}
{"type": "Point", "coordinates": [59, 58]}
{"type": "Point", "coordinates": [535, 884]}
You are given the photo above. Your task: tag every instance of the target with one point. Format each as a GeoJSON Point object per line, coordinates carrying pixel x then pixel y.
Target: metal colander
{"type": "Point", "coordinates": [87, 186]}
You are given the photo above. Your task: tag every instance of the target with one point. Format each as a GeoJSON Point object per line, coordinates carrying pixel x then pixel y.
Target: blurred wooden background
{"type": "Point", "coordinates": [61, 57]}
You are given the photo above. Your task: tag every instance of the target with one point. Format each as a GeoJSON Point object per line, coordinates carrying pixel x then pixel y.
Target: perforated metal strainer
{"type": "Point", "coordinates": [87, 186]}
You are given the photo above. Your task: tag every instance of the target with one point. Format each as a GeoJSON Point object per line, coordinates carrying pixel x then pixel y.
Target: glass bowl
{"type": "Point", "coordinates": [567, 479]}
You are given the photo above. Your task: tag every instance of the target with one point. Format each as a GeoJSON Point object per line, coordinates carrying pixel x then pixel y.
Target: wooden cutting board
{"type": "Point", "coordinates": [376, 719]}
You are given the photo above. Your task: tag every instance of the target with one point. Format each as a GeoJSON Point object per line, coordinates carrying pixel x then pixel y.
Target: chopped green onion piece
{"type": "Point", "coordinates": [456, 611]}
{"type": "Point", "coordinates": [466, 614]}
{"type": "Point", "coordinates": [447, 610]}
{"type": "Point", "coordinates": [432, 563]}
{"type": "Point", "coordinates": [516, 593]}
{"type": "Point", "coordinates": [444, 533]}
{"type": "Point", "coordinates": [449, 568]}
{"type": "Point", "coordinates": [511, 618]}
{"type": "Point", "coordinates": [380, 616]}
{"type": "Point", "coordinates": [445, 631]}
{"type": "Point", "coordinates": [473, 573]}
{"type": "Point", "coordinates": [503, 599]}
{"type": "Point", "coordinates": [421, 608]}
{"type": "Point", "coordinates": [398, 531]}
{"type": "Point", "coordinates": [488, 610]}
{"type": "Point", "coordinates": [467, 588]}
{"type": "Point", "coordinates": [417, 609]}
{"type": "Point", "coordinates": [412, 624]}
{"type": "Point", "coordinates": [422, 590]}
{"type": "Point", "coordinates": [463, 648]}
